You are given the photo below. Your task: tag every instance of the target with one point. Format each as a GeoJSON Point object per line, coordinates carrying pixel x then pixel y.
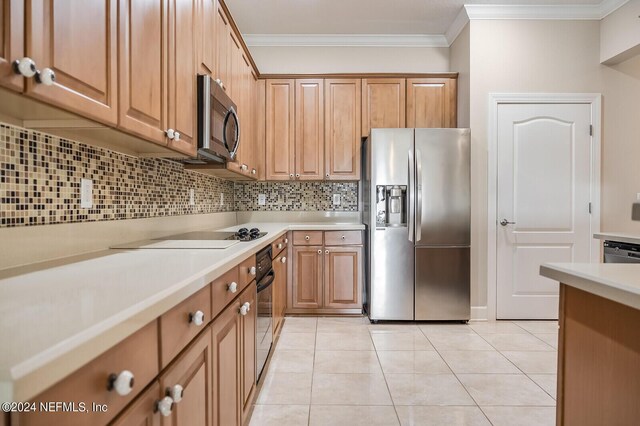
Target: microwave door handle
{"type": "Point", "coordinates": [410, 197]}
{"type": "Point", "coordinates": [419, 195]}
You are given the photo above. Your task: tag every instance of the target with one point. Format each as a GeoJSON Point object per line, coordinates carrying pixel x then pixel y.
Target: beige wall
{"type": "Point", "coordinates": [322, 60]}
{"type": "Point", "coordinates": [459, 57]}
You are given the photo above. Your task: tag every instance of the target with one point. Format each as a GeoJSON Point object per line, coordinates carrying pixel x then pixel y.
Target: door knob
{"type": "Point", "coordinates": [505, 222]}
{"type": "Point", "coordinates": [26, 67]}
{"type": "Point", "coordinates": [47, 77]}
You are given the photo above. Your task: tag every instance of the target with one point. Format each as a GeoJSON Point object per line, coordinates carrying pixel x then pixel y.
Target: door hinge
{"type": "Point", "coordinates": [589, 208]}
{"type": "Point", "coordinates": [590, 129]}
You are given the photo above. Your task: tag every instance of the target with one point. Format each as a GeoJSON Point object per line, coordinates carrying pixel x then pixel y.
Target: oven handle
{"type": "Point", "coordinates": [266, 281]}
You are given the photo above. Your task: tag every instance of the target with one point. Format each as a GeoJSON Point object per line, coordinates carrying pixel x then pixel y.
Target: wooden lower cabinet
{"type": "Point", "coordinates": [342, 277]}
{"type": "Point", "coordinates": [226, 365]}
{"type": "Point", "coordinates": [142, 411]}
{"type": "Point", "coordinates": [279, 292]}
{"type": "Point", "coordinates": [248, 350]}
{"type": "Point", "coordinates": [307, 277]}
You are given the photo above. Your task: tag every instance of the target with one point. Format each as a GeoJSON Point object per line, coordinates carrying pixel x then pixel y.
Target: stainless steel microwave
{"type": "Point", "coordinates": [218, 124]}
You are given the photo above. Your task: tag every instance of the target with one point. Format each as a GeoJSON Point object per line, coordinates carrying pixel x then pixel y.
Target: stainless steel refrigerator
{"type": "Point", "coordinates": [416, 202]}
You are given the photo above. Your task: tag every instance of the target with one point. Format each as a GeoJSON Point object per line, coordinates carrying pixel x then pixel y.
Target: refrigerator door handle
{"type": "Point", "coordinates": [418, 220]}
{"type": "Point", "coordinates": [410, 197]}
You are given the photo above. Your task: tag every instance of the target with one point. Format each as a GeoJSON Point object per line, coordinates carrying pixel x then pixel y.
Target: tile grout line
{"type": "Point", "coordinates": [313, 370]}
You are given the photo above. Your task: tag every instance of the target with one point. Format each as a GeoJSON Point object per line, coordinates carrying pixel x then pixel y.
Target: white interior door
{"type": "Point", "coordinates": [544, 186]}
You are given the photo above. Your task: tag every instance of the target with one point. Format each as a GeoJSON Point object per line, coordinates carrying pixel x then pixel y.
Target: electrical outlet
{"type": "Point", "coordinates": [262, 199]}
{"type": "Point", "coordinates": [222, 198]}
{"type": "Point", "coordinates": [336, 199]}
{"type": "Point", "coordinates": [86, 193]}
{"type": "Point", "coordinates": [192, 197]}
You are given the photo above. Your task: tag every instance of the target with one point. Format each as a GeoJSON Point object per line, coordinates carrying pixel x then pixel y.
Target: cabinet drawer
{"type": "Point", "coordinates": [247, 271]}
{"type": "Point", "coordinates": [137, 354]}
{"type": "Point", "coordinates": [307, 238]}
{"type": "Point", "coordinates": [280, 244]}
{"type": "Point", "coordinates": [182, 323]}
{"type": "Point", "coordinates": [142, 411]}
{"type": "Point", "coordinates": [340, 238]}
{"type": "Point", "coordinates": [222, 290]}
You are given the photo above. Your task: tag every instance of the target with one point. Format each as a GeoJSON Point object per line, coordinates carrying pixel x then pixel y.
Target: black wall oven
{"type": "Point", "coordinates": [265, 277]}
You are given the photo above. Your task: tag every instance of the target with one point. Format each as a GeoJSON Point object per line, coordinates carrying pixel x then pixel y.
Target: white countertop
{"type": "Point", "coordinates": [619, 282]}
{"type": "Point", "coordinates": [618, 236]}
{"type": "Point", "coordinates": [56, 318]}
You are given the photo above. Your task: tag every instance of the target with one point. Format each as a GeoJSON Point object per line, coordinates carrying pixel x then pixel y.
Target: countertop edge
{"type": "Point", "coordinates": [615, 236]}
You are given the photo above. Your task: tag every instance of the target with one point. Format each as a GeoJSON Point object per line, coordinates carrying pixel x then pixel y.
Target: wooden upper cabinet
{"type": "Point", "coordinates": [343, 277]}
{"type": "Point", "coordinates": [309, 152]}
{"type": "Point", "coordinates": [260, 122]}
{"type": "Point", "coordinates": [431, 102]}
{"type": "Point", "coordinates": [192, 373]}
{"type": "Point", "coordinates": [307, 277]}
{"type": "Point", "coordinates": [280, 129]}
{"type": "Point", "coordinates": [182, 74]}
{"type": "Point", "coordinates": [11, 42]}
{"type": "Point", "coordinates": [143, 70]}
{"type": "Point", "coordinates": [343, 129]}
{"type": "Point", "coordinates": [223, 47]}
{"type": "Point", "coordinates": [77, 40]}
{"type": "Point", "coordinates": [383, 103]}
{"type": "Point", "coordinates": [207, 37]}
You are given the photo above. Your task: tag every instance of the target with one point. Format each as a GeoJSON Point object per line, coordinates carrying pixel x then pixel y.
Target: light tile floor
{"type": "Point", "coordinates": [346, 371]}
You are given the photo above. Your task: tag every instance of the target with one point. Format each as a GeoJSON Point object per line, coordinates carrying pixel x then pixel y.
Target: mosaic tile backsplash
{"type": "Point", "coordinates": [40, 179]}
{"type": "Point", "coordinates": [296, 196]}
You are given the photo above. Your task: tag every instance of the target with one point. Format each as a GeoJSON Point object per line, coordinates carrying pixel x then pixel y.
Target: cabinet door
{"type": "Point", "coordinates": [383, 103]}
{"type": "Point", "coordinates": [78, 41]}
{"type": "Point", "coordinates": [280, 129]}
{"type": "Point", "coordinates": [431, 102]}
{"type": "Point", "coordinates": [11, 43]}
{"type": "Point", "coordinates": [223, 32]}
{"type": "Point", "coordinates": [226, 365]}
{"type": "Point", "coordinates": [260, 122]}
{"type": "Point", "coordinates": [142, 411]}
{"type": "Point", "coordinates": [309, 152]}
{"type": "Point", "coordinates": [242, 97]}
{"type": "Point", "coordinates": [248, 325]}
{"type": "Point", "coordinates": [307, 277]}
{"type": "Point", "coordinates": [207, 37]}
{"type": "Point", "coordinates": [342, 277]}
{"type": "Point", "coordinates": [342, 124]}
{"type": "Point", "coordinates": [191, 372]}
{"type": "Point", "coordinates": [182, 74]}
{"type": "Point", "coordinates": [143, 71]}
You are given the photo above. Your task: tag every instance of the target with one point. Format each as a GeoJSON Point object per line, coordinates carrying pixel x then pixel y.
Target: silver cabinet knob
{"type": "Point", "coordinates": [171, 133]}
{"type": "Point", "coordinates": [252, 270]}
{"type": "Point", "coordinates": [164, 406]}
{"type": "Point", "coordinates": [46, 76]}
{"type": "Point", "coordinates": [319, 251]}
{"type": "Point", "coordinates": [505, 222]}
{"type": "Point", "coordinates": [326, 252]}
{"type": "Point", "coordinates": [175, 392]}
{"type": "Point", "coordinates": [306, 237]}
{"type": "Point", "coordinates": [176, 136]}
{"type": "Point", "coordinates": [122, 383]}
{"type": "Point", "coordinates": [283, 260]}
{"type": "Point", "coordinates": [196, 318]}
{"type": "Point", "coordinates": [233, 287]}
{"type": "Point", "coordinates": [26, 67]}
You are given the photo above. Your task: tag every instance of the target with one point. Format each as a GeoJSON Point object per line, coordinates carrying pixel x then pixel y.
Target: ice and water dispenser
{"type": "Point", "coordinates": [391, 206]}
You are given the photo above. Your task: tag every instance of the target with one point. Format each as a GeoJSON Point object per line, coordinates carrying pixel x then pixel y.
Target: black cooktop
{"type": "Point", "coordinates": [243, 234]}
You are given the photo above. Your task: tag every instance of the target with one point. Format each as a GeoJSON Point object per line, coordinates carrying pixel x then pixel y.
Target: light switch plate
{"type": "Point", "coordinates": [86, 193]}
{"type": "Point", "coordinates": [336, 199]}
{"type": "Point", "coordinates": [262, 199]}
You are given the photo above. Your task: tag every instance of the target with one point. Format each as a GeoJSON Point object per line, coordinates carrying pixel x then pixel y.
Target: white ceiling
{"type": "Point", "coordinates": [396, 17]}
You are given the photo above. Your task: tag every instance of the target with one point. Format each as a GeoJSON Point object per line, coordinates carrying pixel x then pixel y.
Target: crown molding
{"type": "Point", "coordinates": [544, 12]}
{"type": "Point", "coordinates": [347, 40]}
{"type": "Point", "coordinates": [456, 27]}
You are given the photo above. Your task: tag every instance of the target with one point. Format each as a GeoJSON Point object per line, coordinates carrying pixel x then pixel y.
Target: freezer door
{"type": "Point", "coordinates": [443, 200]}
{"type": "Point", "coordinates": [442, 283]}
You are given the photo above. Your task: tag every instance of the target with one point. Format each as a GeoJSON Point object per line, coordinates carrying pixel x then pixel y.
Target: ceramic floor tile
{"type": "Point", "coordinates": [291, 361]}
{"type": "Point", "coordinates": [286, 388]}
{"type": "Point", "coordinates": [459, 342]}
{"type": "Point", "coordinates": [516, 342]}
{"type": "Point", "coordinates": [505, 389]}
{"type": "Point", "coordinates": [393, 327]}
{"type": "Point", "coordinates": [549, 338]}
{"type": "Point", "coordinates": [279, 415]}
{"type": "Point", "coordinates": [521, 416]}
{"type": "Point", "coordinates": [338, 325]}
{"type": "Point", "coordinates": [353, 415]}
{"type": "Point", "coordinates": [346, 362]}
{"type": "Point", "coordinates": [400, 341]}
{"type": "Point", "coordinates": [299, 325]}
{"type": "Point", "coordinates": [427, 389]}
{"type": "Point", "coordinates": [429, 329]}
{"type": "Point", "coordinates": [478, 362]}
{"type": "Point", "coordinates": [349, 389]}
{"type": "Point", "coordinates": [296, 341]}
{"type": "Point", "coordinates": [412, 362]}
{"type": "Point", "coordinates": [440, 416]}
{"type": "Point", "coordinates": [548, 382]}
{"type": "Point", "coordinates": [492, 327]}
{"type": "Point", "coordinates": [532, 362]}
{"type": "Point", "coordinates": [344, 342]}
{"type": "Point", "coordinates": [539, 326]}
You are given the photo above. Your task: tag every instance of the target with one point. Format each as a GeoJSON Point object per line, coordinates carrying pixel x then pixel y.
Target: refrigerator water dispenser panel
{"type": "Point", "coordinates": [391, 206]}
